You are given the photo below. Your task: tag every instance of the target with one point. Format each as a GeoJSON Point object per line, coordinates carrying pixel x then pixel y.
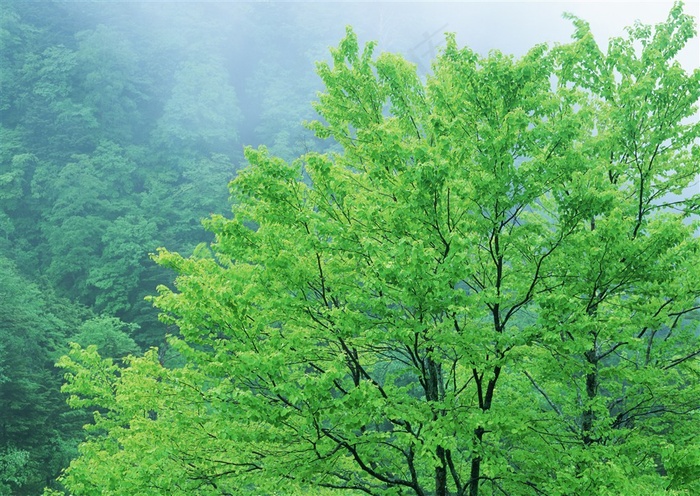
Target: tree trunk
{"type": "Point", "coordinates": [485, 405]}
{"type": "Point", "coordinates": [434, 392]}
{"type": "Point", "coordinates": [441, 473]}
{"type": "Point", "coordinates": [591, 392]}
{"type": "Point", "coordinates": [474, 473]}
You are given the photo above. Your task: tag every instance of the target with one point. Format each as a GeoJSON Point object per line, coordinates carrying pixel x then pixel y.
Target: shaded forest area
{"type": "Point", "coordinates": [121, 125]}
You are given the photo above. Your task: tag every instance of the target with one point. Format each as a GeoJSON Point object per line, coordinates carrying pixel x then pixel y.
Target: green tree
{"type": "Point", "coordinates": [112, 82]}
{"type": "Point", "coordinates": [12, 185]}
{"type": "Point", "coordinates": [38, 436]}
{"type": "Point", "coordinates": [202, 112]}
{"type": "Point", "coordinates": [13, 469]}
{"type": "Point", "coordinates": [90, 196]}
{"type": "Point", "coordinates": [488, 291]}
{"type": "Point", "coordinates": [109, 335]}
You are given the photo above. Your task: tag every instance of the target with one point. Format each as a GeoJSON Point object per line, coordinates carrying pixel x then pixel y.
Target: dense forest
{"type": "Point", "coordinates": [478, 278]}
{"type": "Point", "coordinates": [121, 125]}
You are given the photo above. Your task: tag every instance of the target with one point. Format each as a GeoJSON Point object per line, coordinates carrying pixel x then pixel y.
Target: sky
{"type": "Point", "coordinates": [513, 26]}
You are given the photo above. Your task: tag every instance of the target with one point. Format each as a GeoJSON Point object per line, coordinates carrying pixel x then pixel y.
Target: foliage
{"type": "Point", "coordinates": [109, 335]}
{"type": "Point", "coordinates": [13, 467]}
{"type": "Point", "coordinates": [37, 433]}
{"type": "Point", "coordinates": [490, 290]}
{"type": "Point", "coordinates": [96, 139]}
{"type": "Point", "coordinates": [202, 112]}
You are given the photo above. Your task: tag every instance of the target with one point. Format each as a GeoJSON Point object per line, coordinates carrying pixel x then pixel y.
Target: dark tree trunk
{"type": "Point", "coordinates": [474, 473]}
{"type": "Point", "coordinates": [591, 392]}
{"type": "Point", "coordinates": [434, 392]}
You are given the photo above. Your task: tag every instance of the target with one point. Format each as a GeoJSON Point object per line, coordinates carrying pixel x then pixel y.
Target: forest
{"type": "Point", "coordinates": [120, 128]}
{"type": "Point", "coordinates": [229, 268]}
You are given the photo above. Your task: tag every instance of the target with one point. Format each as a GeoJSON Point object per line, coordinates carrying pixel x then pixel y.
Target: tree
{"type": "Point", "coordinates": [38, 433]}
{"type": "Point", "coordinates": [113, 84]}
{"type": "Point", "coordinates": [12, 469]}
{"type": "Point", "coordinates": [490, 290]}
{"type": "Point", "coordinates": [90, 198]}
{"type": "Point", "coordinates": [109, 335]}
{"type": "Point", "coordinates": [202, 113]}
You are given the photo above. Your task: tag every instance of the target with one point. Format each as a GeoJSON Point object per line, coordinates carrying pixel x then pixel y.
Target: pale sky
{"type": "Point", "coordinates": [515, 26]}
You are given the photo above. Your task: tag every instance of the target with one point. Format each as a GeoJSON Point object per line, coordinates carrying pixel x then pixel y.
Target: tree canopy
{"type": "Point", "coordinates": [492, 288]}
{"type": "Point", "coordinates": [37, 429]}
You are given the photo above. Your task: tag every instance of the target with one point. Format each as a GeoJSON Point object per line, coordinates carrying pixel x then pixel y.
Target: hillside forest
{"type": "Point", "coordinates": [227, 268]}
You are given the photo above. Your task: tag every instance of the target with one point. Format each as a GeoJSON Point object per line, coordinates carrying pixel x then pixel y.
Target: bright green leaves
{"type": "Point", "coordinates": [624, 292]}
{"type": "Point", "coordinates": [139, 411]}
{"type": "Point", "coordinates": [366, 313]}
{"type": "Point", "coordinates": [490, 100]}
{"type": "Point", "coordinates": [476, 295]}
{"type": "Point", "coordinates": [406, 94]}
{"type": "Point", "coordinates": [645, 99]}
{"type": "Point", "coordinates": [354, 101]}
{"type": "Point", "coordinates": [90, 379]}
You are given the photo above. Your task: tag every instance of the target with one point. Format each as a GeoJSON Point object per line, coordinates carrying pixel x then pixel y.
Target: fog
{"type": "Point", "coordinates": [258, 39]}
